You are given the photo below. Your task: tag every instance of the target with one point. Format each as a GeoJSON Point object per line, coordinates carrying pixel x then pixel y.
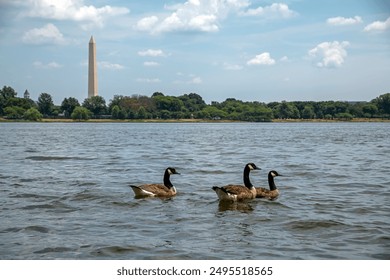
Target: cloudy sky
{"type": "Point", "coordinates": [253, 50]}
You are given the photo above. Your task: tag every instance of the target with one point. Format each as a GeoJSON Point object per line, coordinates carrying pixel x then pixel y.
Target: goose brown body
{"type": "Point", "coordinates": [158, 190]}
{"type": "Point", "coordinates": [234, 192]}
{"type": "Point", "coordinates": [273, 192]}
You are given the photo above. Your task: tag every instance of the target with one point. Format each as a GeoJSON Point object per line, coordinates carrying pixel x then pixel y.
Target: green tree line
{"type": "Point", "coordinates": [192, 105]}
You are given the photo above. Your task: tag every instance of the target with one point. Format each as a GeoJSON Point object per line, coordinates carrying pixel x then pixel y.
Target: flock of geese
{"type": "Point", "coordinates": [229, 192]}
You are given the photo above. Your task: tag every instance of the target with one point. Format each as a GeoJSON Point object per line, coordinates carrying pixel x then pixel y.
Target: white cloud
{"type": "Point", "coordinates": [148, 80]}
{"type": "Point", "coordinates": [195, 80]}
{"type": "Point", "coordinates": [110, 66]}
{"type": "Point", "coordinates": [232, 67]}
{"type": "Point", "coordinates": [192, 79]}
{"type": "Point", "coordinates": [146, 23]}
{"type": "Point", "coordinates": [344, 21]}
{"type": "Point", "coordinates": [378, 26]}
{"type": "Point", "coordinates": [193, 15]}
{"type": "Point", "coordinates": [262, 59]}
{"type": "Point", "coordinates": [329, 54]}
{"type": "Point", "coordinates": [273, 11]}
{"type": "Point", "coordinates": [151, 63]}
{"type": "Point", "coordinates": [206, 23]}
{"type": "Point", "coordinates": [74, 10]}
{"type": "Point", "coordinates": [284, 58]}
{"type": "Point", "coordinates": [48, 34]}
{"type": "Point", "coordinates": [151, 52]}
{"type": "Point", "coordinates": [50, 65]}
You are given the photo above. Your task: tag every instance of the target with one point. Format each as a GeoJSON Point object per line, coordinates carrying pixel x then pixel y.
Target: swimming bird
{"type": "Point", "coordinates": [273, 191]}
{"type": "Point", "coordinates": [238, 192]}
{"type": "Point", "coordinates": [158, 190]}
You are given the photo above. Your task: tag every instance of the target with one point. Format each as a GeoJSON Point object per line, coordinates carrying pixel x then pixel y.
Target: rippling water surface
{"type": "Point", "coordinates": [64, 191]}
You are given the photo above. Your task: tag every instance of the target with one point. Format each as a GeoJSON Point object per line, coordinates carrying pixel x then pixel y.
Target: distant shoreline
{"type": "Point", "coordinates": [198, 120]}
{"type": "Point", "coordinates": [330, 121]}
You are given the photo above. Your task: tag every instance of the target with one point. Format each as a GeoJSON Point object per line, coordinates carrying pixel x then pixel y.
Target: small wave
{"type": "Point", "coordinates": [53, 250]}
{"type": "Point", "coordinates": [11, 229]}
{"type": "Point", "coordinates": [38, 206]}
{"type": "Point", "coordinates": [116, 250]}
{"type": "Point", "coordinates": [381, 256]}
{"type": "Point", "coordinates": [31, 151]}
{"type": "Point", "coordinates": [5, 177]}
{"type": "Point", "coordinates": [33, 195]}
{"type": "Point", "coordinates": [314, 224]}
{"type": "Point", "coordinates": [84, 184]}
{"type": "Point", "coordinates": [40, 229]}
{"type": "Point", "coordinates": [55, 206]}
{"type": "Point", "coordinates": [46, 158]}
{"type": "Point", "coordinates": [84, 196]}
{"type": "Point", "coordinates": [211, 172]}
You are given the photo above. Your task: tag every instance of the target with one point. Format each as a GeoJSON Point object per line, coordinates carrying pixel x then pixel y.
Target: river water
{"type": "Point", "coordinates": [64, 191]}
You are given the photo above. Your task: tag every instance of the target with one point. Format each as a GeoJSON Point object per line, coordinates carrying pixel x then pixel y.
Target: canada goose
{"type": "Point", "coordinates": [238, 192]}
{"type": "Point", "coordinates": [159, 190]}
{"type": "Point", "coordinates": [273, 191]}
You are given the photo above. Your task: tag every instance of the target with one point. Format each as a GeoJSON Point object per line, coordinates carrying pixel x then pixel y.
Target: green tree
{"type": "Point", "coordinates": [116, 101]}
{"type": "Point", "coordinates": [356, 109]}
{"type": "Point", "coordinates": [68, 105]}
{"type": "Point", "coordinates": [170, 103]}
{"type": "Point", "coordinates": [308, 112]}
{"type": "Point", "coordinates": [117, 112]}
{"type": "Point", "coordinates": [255, 113]}
{"type": "Point", "coordinates": [344, 116]}
{"type": "Point", "coordinates": [81, 113]}
{"type": "Point", "coordinates": [212, 112]}
{"type": "Point", "coordinates": [95, 104]}
{"type": "Point", "coordinates": [32, 114]}
{"type": "Point", "coordinates": [21, 102]}
{"type": "Point", "coordinates": [14, 112]}
{"type": "Point", "coordinates": [6, 93]}
{"type": "Point", "coordinates": [141, 114]}
{"type": "Point", "coordinates": [286, 110]}
{"type": "Point", "coordinates": [45, 104]}
{"type": "Point", "coordinates": [193, 102]}
{"type": "Point", "coordinates": [370, 110]}
{"type": "Point", "coordinates": [383, 103]}
{"type": "Point", "coordinates": [155, 94]}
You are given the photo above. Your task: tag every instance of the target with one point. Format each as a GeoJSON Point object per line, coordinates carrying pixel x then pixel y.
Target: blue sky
{"type": "Point", "coordinates": [251, 50]}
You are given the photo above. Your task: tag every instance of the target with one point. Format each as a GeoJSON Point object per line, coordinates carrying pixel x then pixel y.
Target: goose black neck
{"type": "Point", "coordinates": [167, 182]}
{"type": "Point", "coordinates": [247, 181]}
{"type": "Point", "coordinates": [271, 182]}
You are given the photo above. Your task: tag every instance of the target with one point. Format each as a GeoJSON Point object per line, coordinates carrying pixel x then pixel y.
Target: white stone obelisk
{"type": "Point", "coordinates": [92, 69]}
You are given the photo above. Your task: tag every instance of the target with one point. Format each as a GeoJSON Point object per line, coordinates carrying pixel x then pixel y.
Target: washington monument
{"type": "Point", "coordinates": [92, 69]}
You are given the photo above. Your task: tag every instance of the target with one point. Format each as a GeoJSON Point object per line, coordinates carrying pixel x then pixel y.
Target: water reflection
{"type": "Point", "coordinates": [244, 206]}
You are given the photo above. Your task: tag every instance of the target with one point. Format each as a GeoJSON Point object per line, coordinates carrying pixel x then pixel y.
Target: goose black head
{"type": "Point", "coordinates": [252, 166]}
{"type": "Point", "coordinates": [274, 173]}
{"type": "Point", "coordinates": [172, 170]}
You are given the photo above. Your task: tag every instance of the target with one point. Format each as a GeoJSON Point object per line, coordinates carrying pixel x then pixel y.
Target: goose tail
{"type": "Point", "coordinates": [139, 192]}
{"type": "Point", "coordinates": [224, 194]}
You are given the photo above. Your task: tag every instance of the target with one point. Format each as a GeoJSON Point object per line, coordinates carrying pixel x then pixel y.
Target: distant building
{"type": "Point", "coordinates": [26, 94]}
{"type": "Point", "coordinates": [92, 69]}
